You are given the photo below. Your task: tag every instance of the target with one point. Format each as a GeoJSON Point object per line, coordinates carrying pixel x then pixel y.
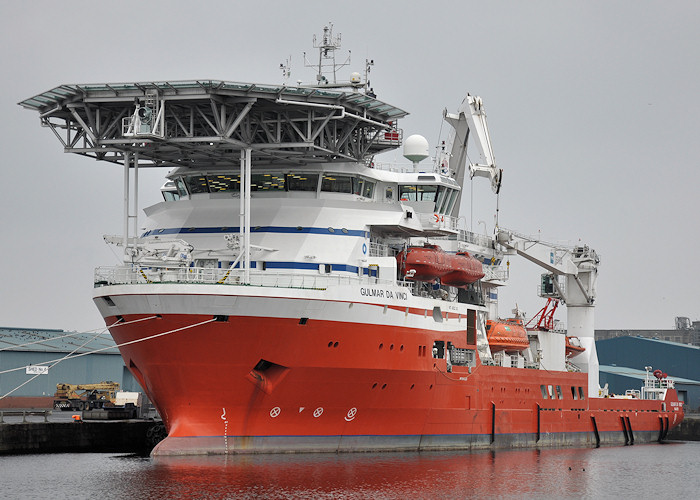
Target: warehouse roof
{"type": "Point", "coordinates": [50, 340]}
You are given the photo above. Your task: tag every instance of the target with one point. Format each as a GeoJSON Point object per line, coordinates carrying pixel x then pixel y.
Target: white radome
{"type": "Point", "coordinates": [415, 148]}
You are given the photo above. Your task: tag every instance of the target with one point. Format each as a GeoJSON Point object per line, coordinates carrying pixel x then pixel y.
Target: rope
{"type": "Point", "coordinates": [54, 364]}
{"type": "Point", "coordinates": [70, 355]}
{"type": "Point", "coordinates": [75, 334]}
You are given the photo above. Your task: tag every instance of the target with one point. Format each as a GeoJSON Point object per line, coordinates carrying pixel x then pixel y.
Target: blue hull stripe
{"type": "Point", "coordinates": [259, 229]}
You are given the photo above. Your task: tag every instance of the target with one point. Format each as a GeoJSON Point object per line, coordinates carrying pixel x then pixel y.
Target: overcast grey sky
{"type": "Point", "coordinates": [593, 110]}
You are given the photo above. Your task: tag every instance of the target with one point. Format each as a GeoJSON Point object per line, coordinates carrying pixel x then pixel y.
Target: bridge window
{"type": "Point", "coordinates": [426, 193]}
{"type": "Point", "coordinates": [267, 182]}
{"type": "Point", "coordinates": [453, 199]}
{"type": "Point", "coordinates": [407, 193]}
{"type": "Point", "coordinates": [337, 183]}
{"type": "Point", "coordinates": [302, 182]}
{"type": "Point", "coordinates": [181, 189]}
{"type": "Point", "coordinates": [442, 196]}
{"type": "Point", "coordinates": [223, 183]}
{"type": "Point", "coordinates": [362, 187]}
{"type": "Point", "coordinates": [197, 184]}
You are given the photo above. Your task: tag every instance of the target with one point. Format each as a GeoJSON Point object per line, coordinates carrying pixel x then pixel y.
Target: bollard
{"type": "Point", "coordinates": [24, 416]}
{"type": "Point", "coordinates": [46, 415]}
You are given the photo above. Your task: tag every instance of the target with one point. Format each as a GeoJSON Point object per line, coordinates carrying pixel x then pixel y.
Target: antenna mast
{"type": "Point", "coordinates": [326, 56]}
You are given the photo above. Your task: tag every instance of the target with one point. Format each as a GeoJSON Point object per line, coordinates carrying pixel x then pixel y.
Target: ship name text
{"type": "Point", "coordinates": [383, 293]}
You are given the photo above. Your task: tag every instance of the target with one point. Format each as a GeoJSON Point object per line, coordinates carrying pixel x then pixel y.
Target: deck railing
{"type": "Point", "coordinates": [131, 275]}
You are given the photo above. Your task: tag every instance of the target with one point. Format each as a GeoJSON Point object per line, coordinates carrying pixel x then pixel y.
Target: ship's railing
{"type": "Point", "coordinates": [379, 250]}
{"type": "Point", "coordinates": [438, 221]}
{"type": "Point", "coordinates": [495, 273]}
{"type": "Point", "coordinates": [477, 239]}
{"type": "Point", "coordinates": [394, 167]}
{"type": "Point", "coordinates": [131, 275]}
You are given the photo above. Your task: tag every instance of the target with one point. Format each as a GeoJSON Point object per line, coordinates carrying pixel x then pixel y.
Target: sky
{"type": "Point", "coordinates": [592, 107]}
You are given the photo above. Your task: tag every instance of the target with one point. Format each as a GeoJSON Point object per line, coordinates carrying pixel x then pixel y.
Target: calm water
{"type": "Point", "coordinates": [640, 471]}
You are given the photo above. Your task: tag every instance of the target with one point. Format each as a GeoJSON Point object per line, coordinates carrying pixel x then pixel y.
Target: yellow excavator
{"type": "Point", "coordinates": [79, 397]}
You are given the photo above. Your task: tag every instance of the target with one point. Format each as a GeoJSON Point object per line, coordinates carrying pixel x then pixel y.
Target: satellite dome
{"type": "Point", "coordinates": [415, 148]}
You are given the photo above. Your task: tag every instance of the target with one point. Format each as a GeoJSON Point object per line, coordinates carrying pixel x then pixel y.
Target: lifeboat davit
{"type": "Point", "coordinates": [507, 335]}
{"type": "Point", "coordinates": [573, 347]}
{"type": "Point", "coordinates": [430, 263]}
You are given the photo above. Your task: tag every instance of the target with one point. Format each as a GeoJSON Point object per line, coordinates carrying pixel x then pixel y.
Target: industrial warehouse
{"type": "Point", "coordinates": [34, 361]}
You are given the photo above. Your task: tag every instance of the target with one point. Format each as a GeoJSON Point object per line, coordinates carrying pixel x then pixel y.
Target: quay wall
{"type": "Point", "coordinates": [123, 436]}
{"type": "Point", "coordinates": [689, 430]}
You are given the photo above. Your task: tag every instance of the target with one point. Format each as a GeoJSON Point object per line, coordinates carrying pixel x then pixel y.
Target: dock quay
{"type": "Point", "coordinates": [33, 431]}
{"type": "Point", "coordinates": [689, 430]}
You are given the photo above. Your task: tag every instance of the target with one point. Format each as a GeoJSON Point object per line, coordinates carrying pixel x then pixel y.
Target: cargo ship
{"type": "Point", "coordinates": [293, 294]}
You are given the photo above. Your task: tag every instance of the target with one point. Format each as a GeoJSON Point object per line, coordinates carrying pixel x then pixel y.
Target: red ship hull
{"type": "Point", "coordinates": [252, 384]}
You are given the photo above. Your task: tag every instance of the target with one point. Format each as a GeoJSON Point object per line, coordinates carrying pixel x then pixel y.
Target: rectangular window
{"type": "Point", "coordinates": [368, 190]}
{"type": "Point", "coordinates": [580, 393]}
{"type": "Point", "coordinates": [440, 200]}
{"type": "Point", "coordinates": [559, 393]}
{"type": "Point", "coordinates": [544, 391]}
{"type": "Point", "coordinates": [451, 202]}
{"type": "Point", "coordinates": [336, 183]}
{"type": "Point", "coordinates": [224, 183]}
{"type": "Point", "coordinates": [389, 194]}
{"type": "Point", "coordinates": [550, 391]}
{"type": "Point", "coordinates": [266, 182]}
{"type": "Point", "coordinates": [181, 189]}
{"type": "Point", "coordinates": [407, 193]}
{"type": "Point", "coordinates": [357, 186]}
{"type": "Point", "coordinates": [574, 394]}
{"type": "Point", "coordinates": [302, 182]}
{"type": "Point", "coordinates": [197, 184]}
{"type": "Point", "coordinates": [426, 193]}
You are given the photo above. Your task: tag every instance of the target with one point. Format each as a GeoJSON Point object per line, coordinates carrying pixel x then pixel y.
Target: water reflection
{"type": "Point", "coordinates": [663, 471]}
{"type": "Point", "coordinates": [386, 475]}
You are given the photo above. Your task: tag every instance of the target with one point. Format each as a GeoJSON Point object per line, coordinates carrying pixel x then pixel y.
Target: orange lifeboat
{"type": "Point", "coordinates": [573, 347]}
{"type": "Point", "coordinates": [507, 335]}
{"type": "Point", "coordinates": [430, 263]}
{"type": "Point", "coordinates": [465, 270]}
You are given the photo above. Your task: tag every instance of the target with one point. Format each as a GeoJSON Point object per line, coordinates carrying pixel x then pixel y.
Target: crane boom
{"type": "Point", "coordinates": [470, 119]}
{"type": "Point", "coordinates": [579, 268]}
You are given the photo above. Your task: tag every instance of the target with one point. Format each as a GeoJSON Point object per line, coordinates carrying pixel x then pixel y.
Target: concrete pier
{"type": "Point", "coordinates": [121, 436]}
{"type": "Point", "coordinates": [689, 430]}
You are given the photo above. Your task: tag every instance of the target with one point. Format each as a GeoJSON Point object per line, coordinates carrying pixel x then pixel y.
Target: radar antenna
{"type": "Point", "coordinates": [286, 68]}
{"type": "Point", "coordinates": [326, 56]}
